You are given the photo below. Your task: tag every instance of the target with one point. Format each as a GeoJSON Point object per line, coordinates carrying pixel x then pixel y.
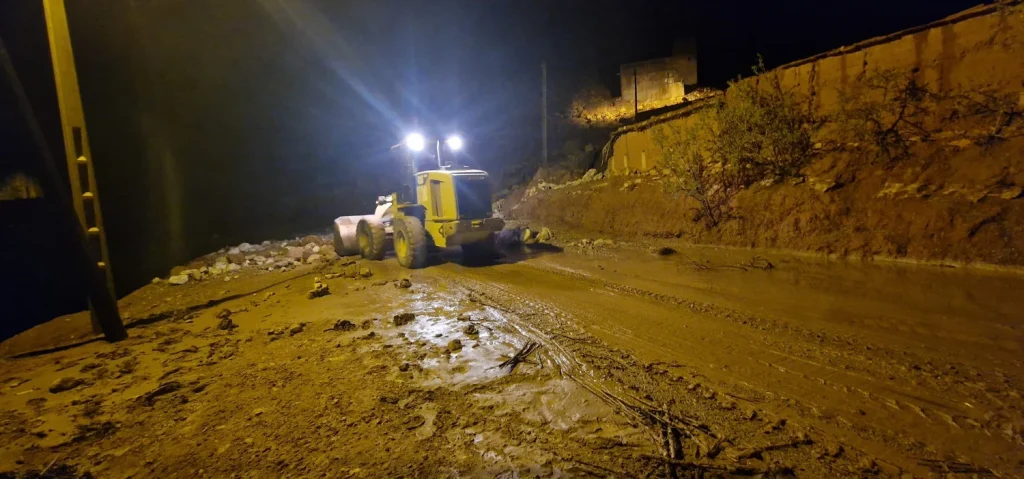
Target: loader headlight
{"type": "Point", "coordinates": [454, 142]}
{"type": "Point", "coordinates": [415, 142]}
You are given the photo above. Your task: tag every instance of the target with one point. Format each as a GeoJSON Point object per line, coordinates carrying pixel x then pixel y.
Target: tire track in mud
{"type": "Point", "coordinates": [585, 359]}
{"type": "Point", "coordinates": [711, 424]}
{"type": "Point", "coordinates": [938, 408]}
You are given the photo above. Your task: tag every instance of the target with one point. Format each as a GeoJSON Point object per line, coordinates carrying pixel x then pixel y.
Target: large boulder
{"type": "Point", "coordinates": [312, 239]}
{"type": "Point", "coordinates": [235, 258]}
{"type": "Point", "coordinates": [327, 251]}
{"type": "Point", "coordinates": [295, 252]}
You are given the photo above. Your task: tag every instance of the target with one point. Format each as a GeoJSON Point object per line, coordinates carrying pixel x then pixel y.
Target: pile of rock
{"type": "Point", "coordinates": [589, 176]}
{"type": "Point", "coordinates": [543, 236]}
{"type": "Point", "coordinates": [266, 256]}
{"type": "Point", "coordinates": [587, 243]}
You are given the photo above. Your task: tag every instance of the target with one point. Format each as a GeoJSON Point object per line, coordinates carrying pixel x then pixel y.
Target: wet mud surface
{"type": "Point", "coordinates": [617, 363]}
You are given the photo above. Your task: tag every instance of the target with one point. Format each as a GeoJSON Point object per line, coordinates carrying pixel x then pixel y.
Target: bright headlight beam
{"type": "Point", "coordinates": [454, 142]}
{"type": "Point", "coordinates": [415, 142]}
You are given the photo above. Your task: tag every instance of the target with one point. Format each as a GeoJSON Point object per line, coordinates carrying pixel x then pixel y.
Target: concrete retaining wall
{"type": "Point", "coordinates": [979, 48]}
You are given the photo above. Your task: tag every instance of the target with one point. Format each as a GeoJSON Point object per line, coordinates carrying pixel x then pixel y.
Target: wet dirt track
{"type": "Point", "coordinates": [917, 369]}
{"type": "Point", "coordinates": [807, 369]}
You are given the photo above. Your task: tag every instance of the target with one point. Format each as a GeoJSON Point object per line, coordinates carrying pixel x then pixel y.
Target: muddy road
{"type": "Point", "coordinates": [917, 368]}
{"type": "Point", "coordinates": [623, 363]}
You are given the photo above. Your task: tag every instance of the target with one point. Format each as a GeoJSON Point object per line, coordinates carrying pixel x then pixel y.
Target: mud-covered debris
{"type": "Point", "coordinates": [471, 331]}
{"type": "Point", "coordinates": [343, 325]}
{"type": "Point", "coordinates": [66, 384]}
{"type": "Point", "coordinates": [664, 251]}
{"type": "Point", "coordinates": [224, 313]}
{"type": "Point", "coordinates": [403, 367]}
{"type": "Point", "coordinates": [748, 453]}
{"type": "Point", "coordinates": [834, 450]}
{"type": "Point", "coordinates": [369, 335]}
{"type": "Point", "coordinates": [276, 332]}
{"type": "Point", "coordinates": [403, 283]}
{"type": "Point", "coordinates": [454, 346]}
{"type": "Point", "coordinates": [867, 465]}
{"type": "Point", "coordinates": [545, 235]}
{"type": "Point", "coordinates": [57, 470]}
{"type": "Point", "coordinates": [178, 279]}
{"type": "Point", "coordinates": [414, 421]}
{"type": "Point", "coordinates": [403, 318]}
{"type": "Point", "coordinates": [367, 324]}
{"type": "Point", "coordinates": [528, 236]}
{"type": "Point", "coordinates": [464, 317]}
{"type": "Point", "coordinates": [128, 366]}
{"type": "Point", "coordinates": [365, 272]}
{"type": "Point", "coordinates": [163, 389]}
{"type": "Point", "coordinates": [296, 329]}
{"type": "Point", "coordinates": [727, 404]}
{"type": "Point", "coordinates": [750, 414]}
{"type": "Point", "coordinates": [759, 262]}
{"type": "Point", "coordinates": [775, 426]}
{"type": "Point", "coordinates": [268, 295]}
{"type": "Point", "coordinates": [89, 367]}
{"type": "Point", "coordinates": [519, 357]}
{"type": "Point", "coordinates": [226, 324]}
{"type": "Point", "coordinates": [319, 289]}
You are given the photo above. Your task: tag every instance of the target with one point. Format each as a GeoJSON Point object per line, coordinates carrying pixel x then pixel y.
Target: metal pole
{"type": "Point", "coordinates": [101, 301]}
{"type": "Point", "coordinates": [544, 112]}
{"type": "Point", "coordinates": [85, 195]}
{"type": "Point", "coordinates": [636, 96]}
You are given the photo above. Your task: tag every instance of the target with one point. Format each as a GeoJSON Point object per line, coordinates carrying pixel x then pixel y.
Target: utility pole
{"type": "Point", "coordinates": [89, 233]}
{"type": "Point", "coordinates": [544, 112]}
{"type": "Point", "coordinates": [636, 96]}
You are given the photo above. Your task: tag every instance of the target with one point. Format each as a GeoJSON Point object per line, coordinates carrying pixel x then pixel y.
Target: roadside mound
{"type": "Point", "coordinates": [948, 201]}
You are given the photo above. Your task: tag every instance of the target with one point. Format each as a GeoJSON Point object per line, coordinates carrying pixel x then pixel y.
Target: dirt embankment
{"type": "Point", "coordinates": [945, 203]}
{"type": "Point", "coordinates": [917, 141]}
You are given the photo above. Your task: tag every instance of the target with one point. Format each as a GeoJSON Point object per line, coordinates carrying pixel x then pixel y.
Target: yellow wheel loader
{"type": "Point", "coordinates": [452, 207]}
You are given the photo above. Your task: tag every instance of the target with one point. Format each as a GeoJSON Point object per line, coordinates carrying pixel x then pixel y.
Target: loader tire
{"type": "Point", "coordinates": [410, 242]}
{"type": "Point", "coordinates": [371, 236]}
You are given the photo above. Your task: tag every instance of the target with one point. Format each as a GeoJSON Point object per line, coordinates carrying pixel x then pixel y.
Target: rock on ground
{"type": "Point", "coordinates": [178, 279]}
{"type": "Point", "coordinates": [319, 289]}
{"type": "Point", "coordinates": [454, 345]}
{"type": "Point", "coordinates": [65, 384]}
{"type": "Point", "coordinates": [403, 319]}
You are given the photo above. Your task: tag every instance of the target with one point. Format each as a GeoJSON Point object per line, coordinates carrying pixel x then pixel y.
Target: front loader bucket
{"type": "Point", "coordinates": [345, 242]}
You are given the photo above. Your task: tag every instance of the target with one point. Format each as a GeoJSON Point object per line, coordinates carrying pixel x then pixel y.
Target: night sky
{"type": "Point", "coordinates": [217, 122]}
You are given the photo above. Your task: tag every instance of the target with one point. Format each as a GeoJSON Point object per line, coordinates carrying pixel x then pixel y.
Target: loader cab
{"type": "Point", "coordinates": [456, 207]}
{"type": "Point", "coordinates": [451, 195]}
